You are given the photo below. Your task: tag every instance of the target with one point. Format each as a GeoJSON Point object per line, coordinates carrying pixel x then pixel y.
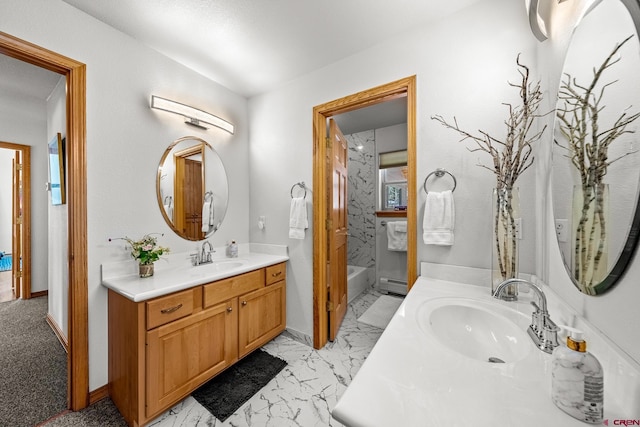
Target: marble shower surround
{"type": "Point", "coordinates": [361, 195]}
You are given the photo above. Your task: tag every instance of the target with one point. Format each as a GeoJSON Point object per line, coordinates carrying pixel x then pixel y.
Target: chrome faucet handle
{"type": "Point", "coordinates": [550, 335]}
{"type": "Point", "coordinates": [536, 319]}
{"type": "Point", "coordinates": [195, 258]}
{"type": "Point", "coordinates": [542, 330]}
{"type": "Point", "coordinates": [207, 250]}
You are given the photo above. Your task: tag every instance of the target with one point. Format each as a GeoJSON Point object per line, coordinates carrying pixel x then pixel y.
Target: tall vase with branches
{"type": "Point", "coordinates": [587, 146]}
{"type": "Point", "coordinates": [511, 155]}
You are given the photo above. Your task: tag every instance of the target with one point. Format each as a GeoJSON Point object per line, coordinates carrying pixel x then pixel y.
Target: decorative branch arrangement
{"type": "Point", "coordinates": [511, 157]}
{"type": "Point", "coordinates": [587, 147]}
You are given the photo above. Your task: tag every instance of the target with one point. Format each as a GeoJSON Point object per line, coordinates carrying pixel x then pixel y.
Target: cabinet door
{"type": "Point", "coordinates": [187, 352]}
{"type": "Point", "coordinates": [262, 316]}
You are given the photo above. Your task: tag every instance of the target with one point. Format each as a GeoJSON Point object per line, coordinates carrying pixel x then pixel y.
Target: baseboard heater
{"type": "Point", "coordinates": [392, 286]}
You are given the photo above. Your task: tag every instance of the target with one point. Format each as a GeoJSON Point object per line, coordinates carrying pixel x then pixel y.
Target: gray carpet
{"type": "Point", "coordinates": [33, 380]}
{"type": "Point", "coordinates": [101, 414]}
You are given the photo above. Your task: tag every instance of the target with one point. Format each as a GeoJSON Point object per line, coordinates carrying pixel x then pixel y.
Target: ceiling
{"type": "Point", "coordinates": [24, 79]}
{"type": "Point", "coordinates": [253, 46]}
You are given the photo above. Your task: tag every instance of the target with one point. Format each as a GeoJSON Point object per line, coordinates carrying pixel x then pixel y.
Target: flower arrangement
{"type": "Point", "coordinates": [146, 250]}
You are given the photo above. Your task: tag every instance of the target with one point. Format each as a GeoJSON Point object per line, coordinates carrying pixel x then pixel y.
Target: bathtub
{"type": "Point", "coordinates": [356, 281]}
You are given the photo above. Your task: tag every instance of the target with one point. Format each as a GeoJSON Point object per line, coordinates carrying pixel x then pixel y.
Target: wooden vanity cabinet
{"type": "Point", "coordinates": [186, 353]}
{"type": "Point", "coordinates": [163, 349]}
{"type": "Point", "coordinates": [262, 313]}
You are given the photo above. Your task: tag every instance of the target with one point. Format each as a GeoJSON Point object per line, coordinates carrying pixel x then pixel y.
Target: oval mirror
{"type": "Point", "coordinates": [192, 188]}
{"type": "Point", "coordinates": [596, 163]}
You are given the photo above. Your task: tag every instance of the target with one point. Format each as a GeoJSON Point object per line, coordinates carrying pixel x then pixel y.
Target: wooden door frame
{"type": "Point", "coordinates": [78, 336]}
{"type": "Point", "coordinates": [25, 152]}
{"type": "Point", "coordinates": [403, 87]}
{"type": "Point", "coordinates": [179, 159]}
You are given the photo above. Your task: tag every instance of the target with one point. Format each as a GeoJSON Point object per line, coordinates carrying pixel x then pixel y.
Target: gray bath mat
{"type": "Point", "coordinates": [381, 311]}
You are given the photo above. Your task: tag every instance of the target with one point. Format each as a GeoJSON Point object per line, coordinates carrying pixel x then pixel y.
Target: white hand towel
{"type": "Point", "coordinates": [439, 216]}
{"type": "Point", "coordinates": [169, 210]}
{"type": "Point", "coordinates": [397, 235]}
{"type": "Point", "coordinates": [298, 218]}
{"type": "Point", "coordinates": [207, 216]}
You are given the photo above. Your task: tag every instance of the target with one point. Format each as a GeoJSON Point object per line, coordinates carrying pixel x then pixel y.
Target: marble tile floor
{"type": "Point", "coordinates": [306, 390]}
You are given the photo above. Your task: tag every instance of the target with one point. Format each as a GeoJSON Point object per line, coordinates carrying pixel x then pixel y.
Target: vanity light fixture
{"type": "Point", "coordinates": [536, 22]}
{"type": "Point", "coordinates": [192, 116]}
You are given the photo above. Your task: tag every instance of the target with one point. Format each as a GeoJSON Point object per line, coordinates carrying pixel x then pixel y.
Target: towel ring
{"type": "Point", "coordinates": [439, 173]}
{"type": "Point", "coordinates": [300, 184]}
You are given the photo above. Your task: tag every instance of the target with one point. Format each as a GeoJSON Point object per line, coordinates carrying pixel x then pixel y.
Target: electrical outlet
{"type": "Point", "coordinates": [518, 223]}
{"type": "Point", "coordinates": [562, 229]}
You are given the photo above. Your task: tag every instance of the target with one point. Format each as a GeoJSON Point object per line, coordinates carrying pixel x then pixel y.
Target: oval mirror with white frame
{"type": "Point", "coordinates": [596, 152]}
{"type": "Point", "coordinates": [192, 188]}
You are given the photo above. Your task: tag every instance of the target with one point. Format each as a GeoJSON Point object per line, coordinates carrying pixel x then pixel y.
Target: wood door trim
{"type": "Point", "coordinates": [25, 151]}
{"type": "Point", "coordinates": [78, 336]}
{"type": "Point", "coordinates": [321, 113]}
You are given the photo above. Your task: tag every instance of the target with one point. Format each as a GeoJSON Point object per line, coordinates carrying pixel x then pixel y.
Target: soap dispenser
{"type": "Point", "coordinates": [577, 384]}
{"type": "Point", "coordinates": [232, 249]}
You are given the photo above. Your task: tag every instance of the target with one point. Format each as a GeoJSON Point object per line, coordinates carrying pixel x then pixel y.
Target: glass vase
{"type": "Point", "coordinates": [146, 270]}
{"type": "Point", "coordinates": [589, 259]}
{"type": "Point", "coordinates": [504, 258]}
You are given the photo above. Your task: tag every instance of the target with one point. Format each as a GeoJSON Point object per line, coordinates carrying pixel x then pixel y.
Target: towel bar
{"type": "Point", "coordinates": [440, 173]}
{"type": "Point", "coordinates": [300, 184]}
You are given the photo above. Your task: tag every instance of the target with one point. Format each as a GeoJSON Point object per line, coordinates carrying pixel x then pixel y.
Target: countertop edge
{"type": "Point", "coordinates": [126, 285]}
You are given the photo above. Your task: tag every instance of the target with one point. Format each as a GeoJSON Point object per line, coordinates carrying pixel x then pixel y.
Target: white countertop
{"type": "Point", "coordinates": [412, 379]}
{"type": "Point", "coordinates": [175, 273]}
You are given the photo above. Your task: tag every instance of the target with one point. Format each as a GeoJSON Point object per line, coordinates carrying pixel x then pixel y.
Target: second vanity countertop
{"type": "Point", "coordinates": [411, 379]}
{"type": "Point", "coordinates": [175, 273]}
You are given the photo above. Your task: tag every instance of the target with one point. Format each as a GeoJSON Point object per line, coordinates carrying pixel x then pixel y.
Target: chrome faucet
{"type": "Point", "coordinates": [542, 330]}
{"type": "Point", "coordinates": [205, 254]}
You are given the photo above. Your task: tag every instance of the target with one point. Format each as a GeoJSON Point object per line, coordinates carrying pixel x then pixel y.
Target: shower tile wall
{"type": "Point", "coordinates": [362, 200]}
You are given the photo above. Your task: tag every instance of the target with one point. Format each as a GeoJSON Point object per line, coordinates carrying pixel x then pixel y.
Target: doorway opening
{"type": "Point", "coordinates": [75, 75]}
{"type": "Point", "coordinates": [15, 263]}
{"type": "Point", "coordinates": [324, 301]}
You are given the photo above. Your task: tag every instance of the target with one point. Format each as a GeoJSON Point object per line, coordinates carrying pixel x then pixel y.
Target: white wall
{"type": "Point", "coordinates": [125, 139]}
{"type": "Point", "coordinates": [58, 265]}
{"type": "Point", "coordinates": [462, 65]}
{"type": "Point", "coordinates": [23, 120]}
{"type": "Point", "coordinates": [615, 312]}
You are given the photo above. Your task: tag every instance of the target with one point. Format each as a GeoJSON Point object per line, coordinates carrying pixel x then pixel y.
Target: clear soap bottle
{"type": "Point", "coordinates": [577, 384]}
{"type": "Point", "coordinates": [232, 249]}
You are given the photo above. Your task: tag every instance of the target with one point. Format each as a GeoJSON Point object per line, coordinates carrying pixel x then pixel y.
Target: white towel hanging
{"type": "Point", "coordinates": [397, 236]}
{"type": "Point", "coordinates": [298, 218]}
{"type": "Point", "coordinates": [438, 221]}
{"type": "Point", "coordinates": [207, 216]}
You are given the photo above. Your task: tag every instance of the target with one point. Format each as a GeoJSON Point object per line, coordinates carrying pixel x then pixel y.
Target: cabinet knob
{"type": "Point", "coordinates": [244, 303]}
{"type": "Point", "coordinates": [229, 309]}
{"type": "Point", "coordinates": [276, 274]}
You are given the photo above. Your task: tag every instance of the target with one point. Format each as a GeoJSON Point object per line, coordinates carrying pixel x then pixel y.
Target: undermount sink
{"type": "Point", "coordinates": [477, 329]}
{"type": "Point", "coordinates": [216, 267]}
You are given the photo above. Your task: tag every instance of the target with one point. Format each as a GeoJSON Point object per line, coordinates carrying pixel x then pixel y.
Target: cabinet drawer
{"type": "Point", "coordinates": [275, 273]}
{"type": "Point", "coordinates": [169, 308]}
{"type": "Point", "coordinates": [225, 289]}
